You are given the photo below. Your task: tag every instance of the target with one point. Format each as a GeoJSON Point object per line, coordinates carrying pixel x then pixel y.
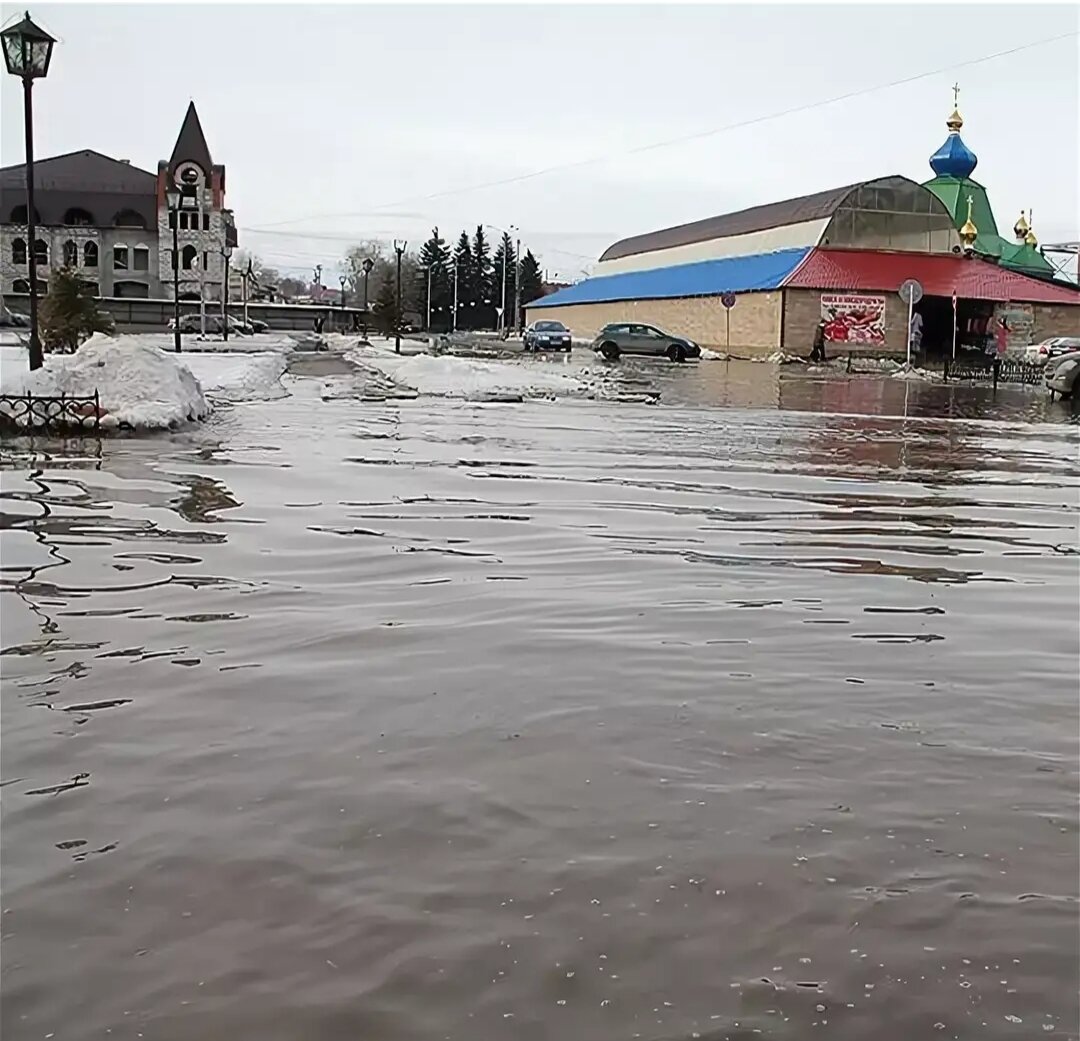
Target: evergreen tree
{"type": "Point", "coordinates": [386, 312]}
{"type": "Point", "coordinates": [532, 281]}
{"type": "Point", "coordinates": [466, 283]}
{"type": "Point", "coordinates": [434, 272]}
{"type": "Point", "coordinates": [70, 313]}
{"type": "Point", "coordinates": [483, 287]}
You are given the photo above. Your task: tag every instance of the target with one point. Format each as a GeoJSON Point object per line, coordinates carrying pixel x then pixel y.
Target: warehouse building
{"type": "Point", "coordinates": [836, 257]}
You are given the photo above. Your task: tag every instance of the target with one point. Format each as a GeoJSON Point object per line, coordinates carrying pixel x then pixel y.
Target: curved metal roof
{"type": "Point", "coordinates": [819, 206]}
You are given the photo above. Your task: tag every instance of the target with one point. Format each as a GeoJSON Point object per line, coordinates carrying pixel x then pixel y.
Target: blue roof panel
{"type": "Point", "coordinates": [703, 278]}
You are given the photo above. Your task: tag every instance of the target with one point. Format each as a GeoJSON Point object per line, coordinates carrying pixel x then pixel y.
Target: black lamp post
{"type": "Point", "coordinates": [172, 201]}
{"type": "Point", "coordinates": [226, 253]}
{"type": "Point", "coordinates": [367, 265]}
{"type": "Point", "coordinates": [399, 250]}
{"type": "Point", "coordinates": [27, 52]}
{"type": "Point", "coordinates": [342, 279]}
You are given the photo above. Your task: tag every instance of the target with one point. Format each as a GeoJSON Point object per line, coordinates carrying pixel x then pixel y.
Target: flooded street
{"type": "Point", "coordinates": [748, 715]}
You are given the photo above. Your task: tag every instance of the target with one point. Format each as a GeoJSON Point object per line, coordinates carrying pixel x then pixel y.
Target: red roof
{"type": "Point", "coordinates": [940, 275]}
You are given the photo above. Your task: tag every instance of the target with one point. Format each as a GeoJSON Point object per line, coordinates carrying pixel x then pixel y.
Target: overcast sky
{"type": "Point", "coordinates": [344, 120]}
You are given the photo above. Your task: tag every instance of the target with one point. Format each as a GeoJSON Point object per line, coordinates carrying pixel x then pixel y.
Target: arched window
{"type": "Point", "coordinates": [128, 288]}
{"type": "Point", "coordinates": [129, 219]}
{"type": "Point", "coordinates": [71, 254]}
{"type": "Point", "coordinates": [188, 256]}
{"type": "Point", "coordinates": [77, 217]}
{"type": "Point", "coordinates": [18, 253]}
{"type": "Point", "coordinates": [18, 215]}
{"type": "Point", "coordinates": [41, 252]}
{"type": "Point", "coordinates": [20, 285]}
{"type": "Point", "coordinates": [90, 254]}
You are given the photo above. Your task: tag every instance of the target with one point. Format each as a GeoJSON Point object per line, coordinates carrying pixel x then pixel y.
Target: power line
{"type": "Point", "coordinates": [698, 135]}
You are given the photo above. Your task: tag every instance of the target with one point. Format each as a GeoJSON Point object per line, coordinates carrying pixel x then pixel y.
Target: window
{"type": "Point", "coordinates": [206, 261]}
{"type": "Point", "coordinates": [91, 287]}
{"type": "Point", "coordinates": [71, 254]}
{"type": "Point", "coordinates": [187, 257]}
{"type": "Point", "coordinates": [18, 253]}
{"type": "Point", "coordinates": [140, 258]}
{"type": "Point", "coordinates": [120, 258]}
{"type": "Point", "coordinates": [126, 288]}
{"type": "Point", "coordinates": [20, 285]}
{"type": "Point", "coordinates": [129, 219]}
{"type": "Point", "coordinates": [41, 252]}
{"type": "Point", "coordinates": [77, 217]}
{"type": "Point", "coordinates": [90, 254]}
{"type": "Point", "coordinates": [206, 222]}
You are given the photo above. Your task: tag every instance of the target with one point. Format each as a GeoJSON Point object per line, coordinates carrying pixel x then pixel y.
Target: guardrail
{"type": "Point", "coordinates": [1010, 370]}
{"type": "Point", "coordinates": [64, 413]}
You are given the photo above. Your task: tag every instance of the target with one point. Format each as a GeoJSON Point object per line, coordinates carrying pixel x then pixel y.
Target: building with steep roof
{"type": "Point", "coordinates": [836, 257]}
{"type": "Point", "coordinates": [108, 220]}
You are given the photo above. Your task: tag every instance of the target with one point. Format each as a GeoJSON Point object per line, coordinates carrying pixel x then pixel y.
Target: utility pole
{"type": "Point", "coordinates": [502, 314]}
{"type": "Point", "coordinates": [453, 325]}
{"type": "Point", "coordinates": [428, 326]}
{"type": "Point", "coordinates": [399, 250]}
{"type": "Point", "coordinates": [517, 287]}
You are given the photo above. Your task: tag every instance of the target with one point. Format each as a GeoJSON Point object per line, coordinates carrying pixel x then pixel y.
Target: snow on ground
{"type": "Point", "coordinates": [238, 377]}
{"type": "Point", "coordinates": [271, 341]}
{"type": "Point", "coordinates": [139, 386]}
{"type": "Point", "coordinates": [911, 372]}
{"type": "Point", "coordinates": [452, 377]}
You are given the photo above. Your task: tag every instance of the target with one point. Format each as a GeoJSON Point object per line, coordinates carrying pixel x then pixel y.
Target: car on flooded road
{"type": "Point", "coordinates": [1062, 375]}
{"type": "Point", "coordinates": [1049, 349]}
{"type": "Point", "coordinates": [546, 336]}
{"type": "Point", "coordinates": [621, 338]}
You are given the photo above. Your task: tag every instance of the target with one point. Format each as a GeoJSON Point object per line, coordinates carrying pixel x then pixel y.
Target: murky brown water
{"type": "Point", "coordinates": [430, 720]}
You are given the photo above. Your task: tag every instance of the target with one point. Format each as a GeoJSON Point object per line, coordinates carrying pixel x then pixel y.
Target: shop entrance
{"type": "Point", "coordinates": [974, 326]}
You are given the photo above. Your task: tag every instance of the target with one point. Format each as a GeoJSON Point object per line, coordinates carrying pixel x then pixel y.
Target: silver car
{"type": "Point", "coordinates": [620, 338]}
{"type": "Point", "coordinates": [1063, 375]}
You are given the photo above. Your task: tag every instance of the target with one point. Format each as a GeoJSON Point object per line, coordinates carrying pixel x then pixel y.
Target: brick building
{"type": "Point", "coordinates": [836, 257]}
{"type": "Point", "coordinates": [108, 220]}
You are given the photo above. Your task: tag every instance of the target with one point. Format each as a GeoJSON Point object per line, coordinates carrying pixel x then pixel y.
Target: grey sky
{"type": "Point", "coordinates": [322, 111]}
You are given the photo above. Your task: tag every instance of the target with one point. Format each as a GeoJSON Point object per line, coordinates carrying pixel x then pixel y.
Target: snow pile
{"type": "Point", "coordinates": [238, 377]}
{"type": "Point", "coordinates": [911, 372]}
{"type": "Point", "coordinates": [783, 358]}
{"type": "Point", "coordinates": [139, 385]}
{"type": "Point", "coordinates": [452, 377]}
{"type": "Point", "coordinates": [710, 355]}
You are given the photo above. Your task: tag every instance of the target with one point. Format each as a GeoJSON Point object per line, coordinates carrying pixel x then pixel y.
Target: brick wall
{"type": "Point", "coordinates": [802, 312]}
{"type": "Point", "coordinates": [755, 319]}
{"type": "Point", "coordinates": [1056, 320]}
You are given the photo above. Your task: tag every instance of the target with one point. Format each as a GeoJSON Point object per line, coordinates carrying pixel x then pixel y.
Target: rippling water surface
{"type": "Point", "coordinates": [424, 720]}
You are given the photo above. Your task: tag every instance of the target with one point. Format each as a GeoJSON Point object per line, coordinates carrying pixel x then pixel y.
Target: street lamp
{"type": "Point", "coordinates": [173, 198]}
{"type": "Point", "coordinates": [342, 279]}
{"type": "Point", "coordinates": [226, 252]}
{"type": "Point", "coordinates": [27, 53]}
{"type": "Point", "coordinates": [367, 265]}
{"type": "Point", "coordinates": [399, 250]}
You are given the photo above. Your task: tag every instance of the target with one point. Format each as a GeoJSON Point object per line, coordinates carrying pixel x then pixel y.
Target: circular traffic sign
{"type": "Point", "coordinates": [728, 300]}
{"type": "Point", "coordinates": [911, 291]}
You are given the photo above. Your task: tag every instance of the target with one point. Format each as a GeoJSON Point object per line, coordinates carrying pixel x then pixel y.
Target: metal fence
{"type": "Point", "coordinates": [31, 413]}
{"type": "Point", "coordinates": [1008, 370]}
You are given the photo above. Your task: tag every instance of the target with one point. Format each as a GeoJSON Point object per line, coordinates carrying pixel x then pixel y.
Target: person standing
{"type": "Point", "coordinates": [915, 333]}
{"type": "Point", "coordinates": [817, 353]}
{"type": "Point", "coordinates": [1001, 336]}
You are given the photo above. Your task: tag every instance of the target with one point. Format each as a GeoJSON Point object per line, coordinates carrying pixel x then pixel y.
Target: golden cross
{"type": "Point", "coordinates": [956, 95]}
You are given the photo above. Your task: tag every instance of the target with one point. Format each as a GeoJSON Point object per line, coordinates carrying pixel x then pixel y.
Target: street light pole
{"type": "Point", "coordinates": [226, 252]}
{"type": "Point", "coordinates": [429, 299]}
{"type": "Point", "coordinates": [342, 279]}
{"type": "Point", "coordinates": [367, 266]}
{"type": "Point", "coordinates": [27, 53]}
{"type": "Point", "coordinates": [399, 250]}
{"type": "Point", "coordinates": [454, 320]}
{"type": "Point", "coordinates": [172, 201]}
{"type": "Point", "coordinates": [517, 287]}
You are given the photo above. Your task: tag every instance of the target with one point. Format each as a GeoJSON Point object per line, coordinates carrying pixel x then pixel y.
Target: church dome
{"type": "Point", "coordinates": [954, 158]}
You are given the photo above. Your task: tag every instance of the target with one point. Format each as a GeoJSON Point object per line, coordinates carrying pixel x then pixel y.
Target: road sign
{"type": "Point", "coordinates": [911, 292]}
{"type": "Point", "coordinates": [728, 300]}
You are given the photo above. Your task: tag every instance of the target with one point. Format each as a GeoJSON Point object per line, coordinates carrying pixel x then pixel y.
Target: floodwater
{"type": "Point", "coordinates": [426, 719]}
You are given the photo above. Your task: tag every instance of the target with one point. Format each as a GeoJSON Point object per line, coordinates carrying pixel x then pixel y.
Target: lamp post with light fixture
{"type": "Point", "coordinates": [27, 52]}
{"type": "Point", "coordinates": [172, 201]}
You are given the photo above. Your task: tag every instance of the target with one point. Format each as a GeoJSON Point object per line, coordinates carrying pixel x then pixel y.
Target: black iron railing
{"type": "Point", "coordinates": [1008, 370]}
{"type": "Point", "coordinates": [64, 413]}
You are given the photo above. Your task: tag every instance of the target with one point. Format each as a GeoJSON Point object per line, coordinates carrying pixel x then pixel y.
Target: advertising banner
{"type": "Point", "coordinates": [854, 319]}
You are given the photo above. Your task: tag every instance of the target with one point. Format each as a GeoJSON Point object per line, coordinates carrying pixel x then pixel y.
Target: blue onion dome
{"type": "Point", "coordinates": [954, 158]}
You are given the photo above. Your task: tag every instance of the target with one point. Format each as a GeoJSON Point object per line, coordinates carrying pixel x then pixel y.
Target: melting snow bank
{"type": "Point", "coordinates": [239, 377]}
{"type": "Point", "coordinates": [910, 372]}
{"type": "Point", "coordinates": [138, 386]}
{"type": "Point", "coordinates": [450, 377]}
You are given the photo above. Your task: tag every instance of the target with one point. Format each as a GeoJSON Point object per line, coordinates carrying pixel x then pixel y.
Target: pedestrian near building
{"type": "Point", "coordinates": [915, 332]}
{"type": "Point", "coordinates": [818, 351]}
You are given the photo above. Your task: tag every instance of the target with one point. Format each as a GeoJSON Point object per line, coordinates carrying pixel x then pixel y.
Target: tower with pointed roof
{"type": "Point", "coordinates": [204, 232]}
{"type": "Point", "coordinates": [967, 200]}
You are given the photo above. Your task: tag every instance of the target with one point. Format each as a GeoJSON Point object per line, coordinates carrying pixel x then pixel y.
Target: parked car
{"type": "Point", "coordinates": [1054, 347]}
{"type": "Point", "coordinates": [13, 320]}
{"type": "Point", "coordinates": [192, 323]}
{"type": "Point", "coordinates": [258, 325]}
{"type": "Point", "coordinates": [546, 336]}
{"type": "Point", "coordinates": [1062, 375]}
{"type": "Point", "coordinates": [630, 338]}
